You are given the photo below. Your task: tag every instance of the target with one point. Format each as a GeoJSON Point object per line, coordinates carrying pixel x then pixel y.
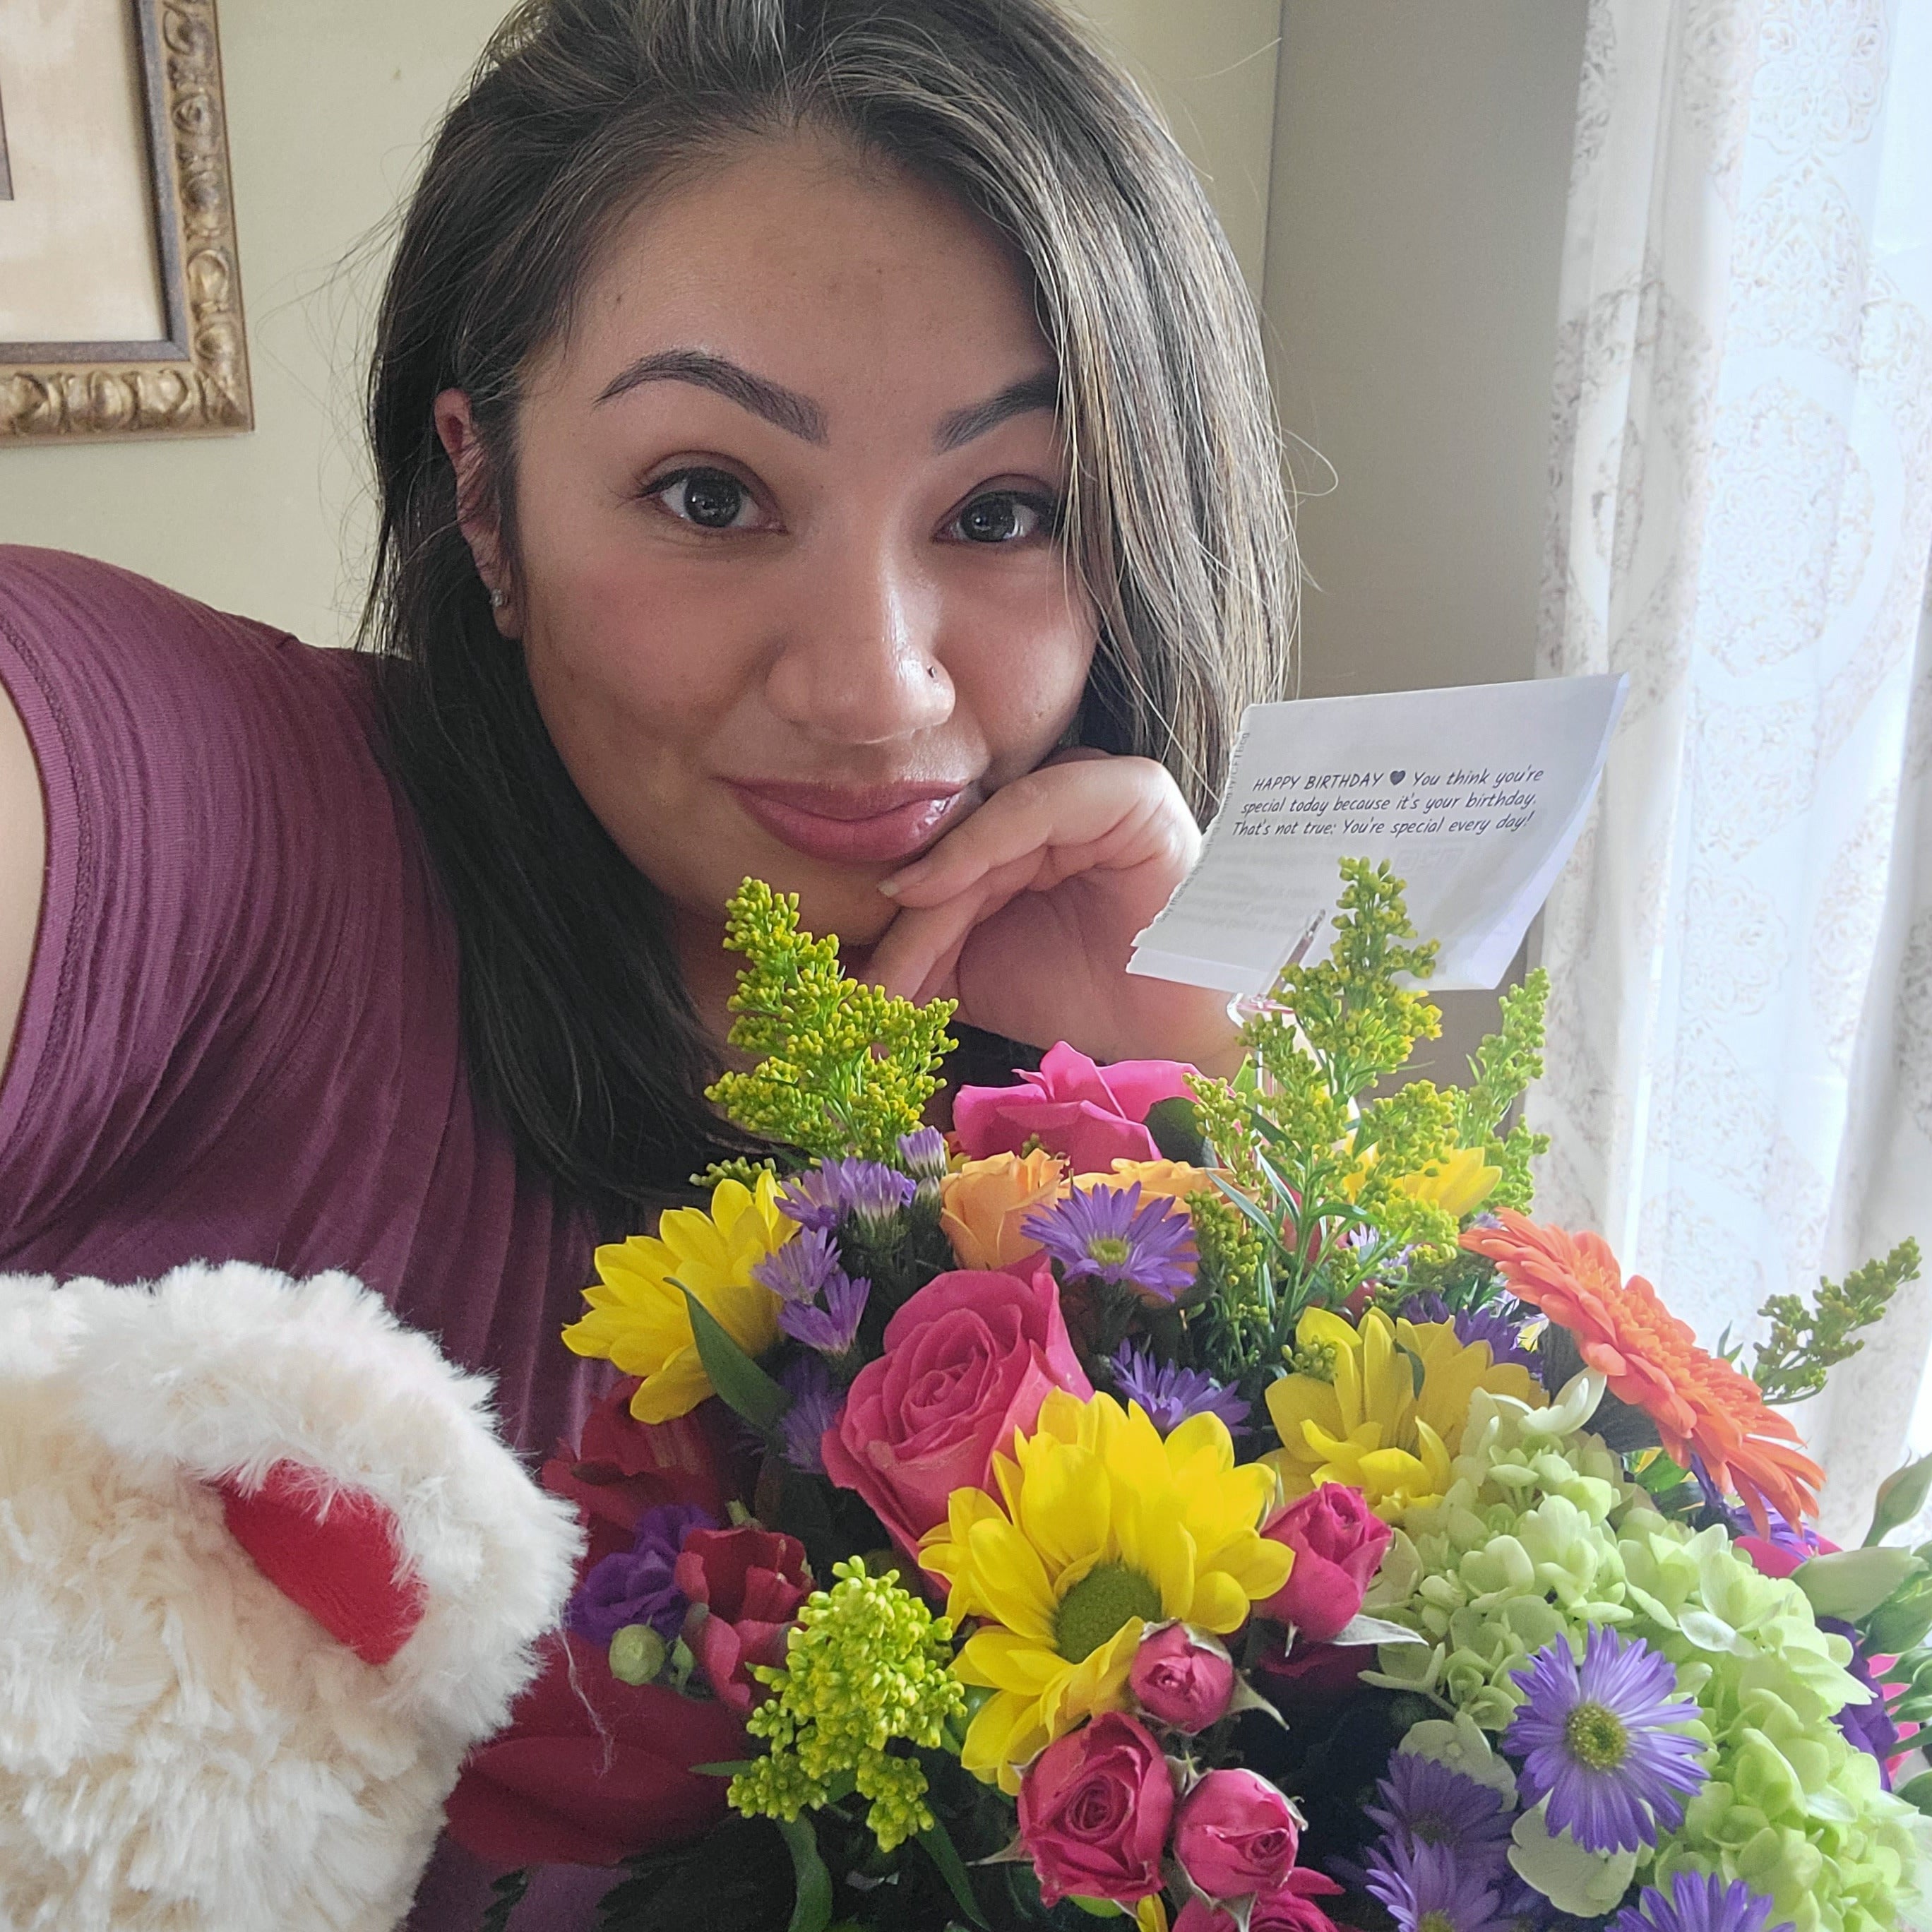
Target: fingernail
{"type": "Point", "coordinates": [890, 887]}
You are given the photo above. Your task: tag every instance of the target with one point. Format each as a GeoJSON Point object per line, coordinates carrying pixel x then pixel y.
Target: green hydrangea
{"type": "Point", "coordinates": [1523, 1546]}
{"type": "Point", "coordinates": [867, 1666]}
{"type": "Point", "coordinates": [1541, 1534]}
{"type": "Point", "coordinates": [1792, 1807]}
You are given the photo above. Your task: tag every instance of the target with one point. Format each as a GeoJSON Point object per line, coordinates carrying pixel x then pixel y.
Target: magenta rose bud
{"type": "Point", "coordinates": [1094, 1810]}
{"type": "Point", "coordinates": [968, 1359]}
{"type": "Point", "coordinates": [1338, 1542]}
{"type": "Point", "coordinates": [1292, 1909]}
{"type": "Point", "coordinates": [1236, 1835]}
{"type": "Point", "coordinates": [1091, 1115]}
{"type": "Point", "coordinates": [1182, 1680]}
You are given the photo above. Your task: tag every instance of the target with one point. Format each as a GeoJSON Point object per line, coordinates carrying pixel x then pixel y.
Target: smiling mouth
{"type": "Point", "coordinates": [856, 825]}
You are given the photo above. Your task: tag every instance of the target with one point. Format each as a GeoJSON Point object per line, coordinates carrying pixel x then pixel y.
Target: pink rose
{"type": "Point", "coordinates": [1338, 1542]}
{"type": "Point", "coordinates": [1091, 1115]}
{"type": "Point", "coordinates": [1180, 1679]}
{"type": "Point", "coordinates": [1291, 1908]}
{"type": "Point", "coordinates": [1094, 1810]}
{"type": "Point", "coordinates": [968, 1359]}
{"type": "Point", "coordinates": [745, 1586]}
{"type": "Point", "coordinates": [1236, 1835]}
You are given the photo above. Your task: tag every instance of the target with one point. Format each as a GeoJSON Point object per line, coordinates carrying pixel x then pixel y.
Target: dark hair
{"type": "Point", "coordinates": [578, 1027]}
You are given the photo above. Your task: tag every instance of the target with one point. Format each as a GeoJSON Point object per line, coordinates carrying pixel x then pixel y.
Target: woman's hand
{"type": "Point", "coordinates": [1027, 913]}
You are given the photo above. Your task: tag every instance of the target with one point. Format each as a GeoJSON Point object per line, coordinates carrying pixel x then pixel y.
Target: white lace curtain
{"type": "Point", "coordinates": [1740, 1065]}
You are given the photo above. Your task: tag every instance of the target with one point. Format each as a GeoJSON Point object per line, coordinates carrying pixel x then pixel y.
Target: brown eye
{"type": "Point", "coordinates": [711, 499]}
{"type": "Point", "coordinates": [1000, 517]}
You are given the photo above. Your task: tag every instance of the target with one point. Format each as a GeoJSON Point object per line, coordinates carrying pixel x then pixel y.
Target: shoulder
{"type": "Point", "coordinates": [90, 638]}
{"type": "Point", "coordinates": [225, 862]}
{"type": "Point", "coordinates": [179, 739]}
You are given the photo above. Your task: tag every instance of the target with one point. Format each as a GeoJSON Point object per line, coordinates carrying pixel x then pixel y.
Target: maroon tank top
{"type": "Point", "coordinates": [241, 1038]}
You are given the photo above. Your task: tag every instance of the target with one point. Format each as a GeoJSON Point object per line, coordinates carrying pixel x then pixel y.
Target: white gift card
{"type": "Point", "coordinates": [1474, 795]}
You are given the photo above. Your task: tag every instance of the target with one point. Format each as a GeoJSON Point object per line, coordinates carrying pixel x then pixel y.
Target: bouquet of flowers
{"type": "Point", "coordinates": [1215, 1504]}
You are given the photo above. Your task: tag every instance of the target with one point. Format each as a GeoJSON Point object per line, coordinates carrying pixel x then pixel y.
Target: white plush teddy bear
{"type": "Point", "coordinates": [267, 1573]}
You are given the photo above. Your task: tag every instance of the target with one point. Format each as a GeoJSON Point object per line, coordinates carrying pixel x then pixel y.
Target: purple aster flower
{"type": "Point", "coordinates": [831, 1329]}
{"type": "Point", "coordinates": [799, 1270]}
{"type": "Point", "coordinates": [1427, 1803]}
{"type": "Point", "coordinates": [868, 1190]}
{"type": "Point", "coordinates": [1499, 1323]}
{"type": "Point", "coordinates": [924, 1153]}
{"type": "Point", "coordinates": [1597, 1740]}
{"type": "Point", "coordinates": [816, 1400]}
{"type": "Point", "coordinates": [1525, 1909]}
{"type": "Point", "coordinates": [1428, 1889]}
{"type": "Point", "coordinates": [1868, 1726]}
{"type": "Point", "coordinates": [1696, 1902]}
{"type": "Point", "coordinates": [635, 1586]}
{"type": "Point", "coordinates": [1106, 1232]}
{"type": "Point", "coordinates": [1169, 1395]}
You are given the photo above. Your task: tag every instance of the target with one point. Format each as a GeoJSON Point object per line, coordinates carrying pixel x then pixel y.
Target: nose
{"type": "Point", "coordinates": [858, 656]}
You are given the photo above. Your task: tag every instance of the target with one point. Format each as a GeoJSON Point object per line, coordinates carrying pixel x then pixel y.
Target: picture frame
{"type": "Point", "coordinates": [117, 226]}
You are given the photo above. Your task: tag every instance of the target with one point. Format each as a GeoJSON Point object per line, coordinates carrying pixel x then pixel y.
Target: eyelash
{"type": "Point", "coordinates": [1050, 510]}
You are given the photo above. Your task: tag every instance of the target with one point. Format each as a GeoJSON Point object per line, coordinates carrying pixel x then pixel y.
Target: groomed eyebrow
{"type": "Point", "coordinates": [1038, 391]}
{"type": "Point", "coordinates": [785, 408]}
{"type": "Point", "coordinates": [800, 416]}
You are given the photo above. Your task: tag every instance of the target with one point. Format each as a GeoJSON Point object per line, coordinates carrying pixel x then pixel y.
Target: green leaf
{"type": "Point", "coordinates": [1900, 1497]}
{"type": "Point", "coordinates": [1917, 1793]}
{"type": "Point", "coordinates": [1900, 1623]}
{"type": "Point", "coordinates": [1248, 1208]}
{"type": "Point", "coordinates": [739, 1380]}
{"type": "Point", "coordinates": [813, 1911]}
{"type": "Point", "coordinates": [1175, 1125]}
{"type": "Point", "coordinates": [1622, 1427]}
{"type": "Point", "coordinates": [945, 1854]}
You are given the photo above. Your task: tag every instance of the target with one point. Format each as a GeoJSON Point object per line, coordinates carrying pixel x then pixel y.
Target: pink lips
{"type": "Point", "coordinates": [853, 825]}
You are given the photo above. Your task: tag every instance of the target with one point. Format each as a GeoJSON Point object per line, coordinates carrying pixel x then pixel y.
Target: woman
{"type": "Point", "coordinates": [821, 439]}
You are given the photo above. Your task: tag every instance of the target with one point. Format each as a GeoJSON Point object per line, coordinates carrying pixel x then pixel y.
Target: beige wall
{"type": "Point", "coordinates": [1415, 230]}
{"type": "Point", "coordinates": [328, 106]}
{"type": "Point", "coordinates": [1421, 163]}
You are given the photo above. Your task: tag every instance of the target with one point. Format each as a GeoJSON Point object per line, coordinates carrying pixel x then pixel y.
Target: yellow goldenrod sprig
{"type": "Point", "coordinates": [843, 1068]}
{"type": "Point", "coordinates": [1805, 1343]}
{"type": "Point", "coordinates": [867, 1665]}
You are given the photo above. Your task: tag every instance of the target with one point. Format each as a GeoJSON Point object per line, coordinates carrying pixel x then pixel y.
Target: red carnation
{"type": "Point", "coordinates": [745, 1586]}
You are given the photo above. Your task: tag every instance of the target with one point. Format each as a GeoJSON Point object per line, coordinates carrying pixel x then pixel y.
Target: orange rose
{"type": "Point", "coordinates": [1159, 1180]}
{"type": "Point", "coordinates": [983, 1203]}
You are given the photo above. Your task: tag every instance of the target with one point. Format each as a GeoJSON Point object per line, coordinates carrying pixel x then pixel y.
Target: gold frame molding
{"type": "Point", "coordinates": [195, 381]}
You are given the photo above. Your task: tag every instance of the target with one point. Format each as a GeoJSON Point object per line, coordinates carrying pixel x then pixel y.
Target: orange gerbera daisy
{"type": "Point", "coordinates": [1703, 1405]}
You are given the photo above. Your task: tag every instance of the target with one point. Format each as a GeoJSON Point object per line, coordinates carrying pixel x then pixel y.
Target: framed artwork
{"type": "Point", "coordinates": [120, 296]}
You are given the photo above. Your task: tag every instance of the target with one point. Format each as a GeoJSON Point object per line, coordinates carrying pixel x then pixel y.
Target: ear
{"type": "Point", "coordinates": [477, 515]}
{"type": "Point", "coordinates": [336, 1553]}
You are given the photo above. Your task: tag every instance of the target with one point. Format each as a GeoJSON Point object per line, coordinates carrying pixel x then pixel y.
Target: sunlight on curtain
{"type": "Point", "coordinates": [1740, 1063]}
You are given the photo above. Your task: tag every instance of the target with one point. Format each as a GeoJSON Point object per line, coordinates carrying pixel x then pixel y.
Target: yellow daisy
{"type": "Point", "coordinates": [1459, 1182]}
{"type": "Point", "coordinates": [1100, 1529]}
{"type": "Point", "coordinates": [1381, 1407]}
{"type": "Point", "coordinates": [639, 1318]}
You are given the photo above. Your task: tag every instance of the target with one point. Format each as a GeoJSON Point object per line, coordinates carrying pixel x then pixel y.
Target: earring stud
{"type": "Point", "coordinates": [498, 599]}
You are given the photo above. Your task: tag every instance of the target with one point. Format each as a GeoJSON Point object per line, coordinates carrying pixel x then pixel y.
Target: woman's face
{"type": "Point", "coordinates": [786, 569]}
